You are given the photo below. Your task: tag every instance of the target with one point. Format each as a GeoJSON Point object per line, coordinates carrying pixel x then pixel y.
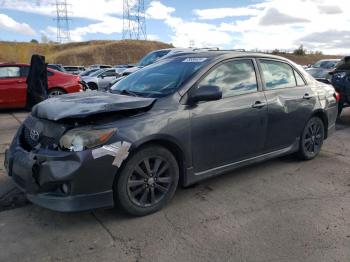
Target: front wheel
{"type": "Point", "coordinates": [147, 182]}
{"type": "Point", "coordinates": [311, 139]}
{"type": "Point", "coordinates": [56, 92]}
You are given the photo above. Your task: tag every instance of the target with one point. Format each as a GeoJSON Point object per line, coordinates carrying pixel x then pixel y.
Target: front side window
{"type": "Point", "coordinates": [234, 78]}
{"type": "Point", "coordinates": [9, 71]}
{"type": "Point", "coordinates": [277, 74]}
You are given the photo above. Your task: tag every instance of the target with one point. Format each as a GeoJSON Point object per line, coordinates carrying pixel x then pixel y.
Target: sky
{"type": "Point", "coordinates": [320, 25]}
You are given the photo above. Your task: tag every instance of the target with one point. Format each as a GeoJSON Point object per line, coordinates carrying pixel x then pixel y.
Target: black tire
{"type": "Point", "coordinates": [92, 86]}
{"type": "Point", "coordinates": [147, 181]}
{"type": "Point", "coordinates": [340, 108]}
{"type": "Point", "coordinates": [311, 140]}
{"type": "Point", "coordinates": [56, 92]}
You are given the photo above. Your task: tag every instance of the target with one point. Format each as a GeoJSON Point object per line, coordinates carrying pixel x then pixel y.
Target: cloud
{"type": "Point", "coordinates": [277, 24]}
{"type": "Point", "coordinates": [7, 23]}
{"type": "Point", "coordinates": [216, 13]}
{"type": "Point", "coordinates": [158, 11]}
{"type": "Point", "coordinates": [109, 26]}
{"type": "Point", "coordinates": [330, 39]}
{"type": "Point", "coordinates": [185, 33]}
{"type": "Point", "coordinates": [330, 9]}
{"type": "Point", "coordinates": [94, 10]}
{"type": "Point", "coordinates": [275, 17]}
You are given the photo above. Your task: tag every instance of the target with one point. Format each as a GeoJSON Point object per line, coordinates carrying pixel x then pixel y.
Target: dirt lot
{"type": "Point", "coordinates": [281, 210]}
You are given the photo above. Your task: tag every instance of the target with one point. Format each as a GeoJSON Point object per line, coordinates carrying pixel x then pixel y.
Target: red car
{"type": "Point", "coordinates": [13, 84]}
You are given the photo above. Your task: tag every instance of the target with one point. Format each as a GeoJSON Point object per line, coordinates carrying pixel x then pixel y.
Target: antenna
{"type": "Point", "coordinates": [134, 19]}
{"type": "Point", "coordinates": [62, 19]}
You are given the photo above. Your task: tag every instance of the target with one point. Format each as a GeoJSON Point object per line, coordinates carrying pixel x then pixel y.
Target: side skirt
{"type": "Point", "coordinates": [192, 177]}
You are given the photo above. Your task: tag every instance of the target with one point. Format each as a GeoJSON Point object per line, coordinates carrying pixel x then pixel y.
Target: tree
{"type": "Point", "coordinates": [44, 39]}
{"type": "Point", "coordinates": [34, 41]}
{"type": "Point", "coordinates": [300, 51]}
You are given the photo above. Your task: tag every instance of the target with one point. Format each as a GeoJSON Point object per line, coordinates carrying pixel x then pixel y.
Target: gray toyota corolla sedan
{"type": "Point", "coordinates": [173, 123]}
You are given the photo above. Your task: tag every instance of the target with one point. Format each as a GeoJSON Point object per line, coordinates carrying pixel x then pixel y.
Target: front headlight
{"type": "Point", "coordinates": [80, 139]}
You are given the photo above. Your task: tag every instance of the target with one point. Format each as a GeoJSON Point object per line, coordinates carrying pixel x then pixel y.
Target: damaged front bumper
{"type": "Point", "coordinates": [59, 180]}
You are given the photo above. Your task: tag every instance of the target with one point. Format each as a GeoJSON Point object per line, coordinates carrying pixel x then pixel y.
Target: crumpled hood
{"type": "Point", "coordinates": [79, 105]}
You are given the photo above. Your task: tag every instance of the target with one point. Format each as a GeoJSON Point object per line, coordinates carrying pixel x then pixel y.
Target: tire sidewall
{"type": "Point", "coordinates": [303, 152]}
{"type": "Point", "coordinates": [120, 186]}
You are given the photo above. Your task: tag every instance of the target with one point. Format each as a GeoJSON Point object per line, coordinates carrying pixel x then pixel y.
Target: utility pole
{"type": "Point", "coordinates": [62, 20]}
{"type": "Point", "coordinates": [134, 20]}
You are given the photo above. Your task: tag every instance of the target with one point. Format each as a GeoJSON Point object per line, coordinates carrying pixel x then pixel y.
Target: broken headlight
{"type": "Point", "coordinates": [80, 139]}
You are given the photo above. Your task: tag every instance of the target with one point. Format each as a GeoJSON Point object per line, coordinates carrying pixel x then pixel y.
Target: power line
{"type": "Point", "coordinates": [134, 19]}
{"type": "Point", "coordinates": [62, 20]}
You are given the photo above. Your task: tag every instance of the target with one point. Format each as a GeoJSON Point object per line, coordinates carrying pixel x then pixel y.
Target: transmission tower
{"type": "Point", "coordinates": [62, 19]}
{"type": "Point", "coordinates": [134, 20]}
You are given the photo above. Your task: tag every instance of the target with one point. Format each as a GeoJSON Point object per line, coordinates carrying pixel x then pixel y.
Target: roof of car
{"type": "Point", "coordinates": [13, 64]}
{"type": "Point", "coordinates": [224, 53]}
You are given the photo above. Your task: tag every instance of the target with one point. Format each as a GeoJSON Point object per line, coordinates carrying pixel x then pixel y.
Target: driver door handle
{"type": "Point", "coordinates": [258, 104]}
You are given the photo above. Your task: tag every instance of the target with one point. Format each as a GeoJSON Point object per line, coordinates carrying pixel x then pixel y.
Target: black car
{"type": "Point", "coordinates": [341, 82]}
{"type": "Point", "coordinates": [172, 123]}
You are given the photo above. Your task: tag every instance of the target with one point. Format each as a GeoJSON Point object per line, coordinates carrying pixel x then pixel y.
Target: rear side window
{"type": "Point", "coordinates": [277, 74]}
{"type": "Point", "coordinates": [234, 78]}
{"type": "Point", "coordinates": [9, 71]}
{"type": "Point", "coordinates": [110, 73]}
{"type": "Point", "coordinates": [299, 79]}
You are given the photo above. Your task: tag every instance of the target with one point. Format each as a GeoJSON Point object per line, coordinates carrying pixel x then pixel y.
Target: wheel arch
{"type": "Point", "coordinates": [323, 116]}
{"type": "Point", "coordinates": [170, 144]}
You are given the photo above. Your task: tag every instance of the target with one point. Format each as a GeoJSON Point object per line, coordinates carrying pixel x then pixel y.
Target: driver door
{"type": "Point", "coordinates": [232, 128]}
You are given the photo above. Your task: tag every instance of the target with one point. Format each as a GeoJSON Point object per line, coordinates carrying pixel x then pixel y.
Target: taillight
{"type": "Point", "coordinates": [336, 96]}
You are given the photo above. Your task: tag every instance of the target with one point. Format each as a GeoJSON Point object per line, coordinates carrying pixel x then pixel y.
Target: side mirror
{"type": "Point", "coordinates": [206, 93]}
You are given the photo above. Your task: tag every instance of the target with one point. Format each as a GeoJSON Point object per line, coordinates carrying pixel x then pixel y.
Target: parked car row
{"type": "Point", "coordinates": [334, 72]}
{"type": "Point", "coordinates": [13, 84]}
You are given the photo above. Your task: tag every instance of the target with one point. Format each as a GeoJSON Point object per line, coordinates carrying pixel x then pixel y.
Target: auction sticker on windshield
{"type": "Point", "coordinates": [195, 60]}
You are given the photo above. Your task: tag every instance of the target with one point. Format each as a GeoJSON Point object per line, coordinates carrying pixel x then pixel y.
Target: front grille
{"type": "Point", "coordinates": [39, 132]}
{"type": "Point", "coordinates": [44, 141]}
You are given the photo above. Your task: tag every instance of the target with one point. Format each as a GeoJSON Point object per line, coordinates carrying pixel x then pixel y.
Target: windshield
{"type": "Point", "coordinates": [152, 57]}
{"type": "Point", "coordinates": [97, 72]}
{"type": "Point", "coordinates": [325, 64]}
{"type": "Point", "coordinates": [160, 79]}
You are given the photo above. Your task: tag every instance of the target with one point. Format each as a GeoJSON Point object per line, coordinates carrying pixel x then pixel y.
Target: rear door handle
{"type": "Point", "coordinates": [258, 104]}
{"type": "Point", "coordinates": [306, 96]}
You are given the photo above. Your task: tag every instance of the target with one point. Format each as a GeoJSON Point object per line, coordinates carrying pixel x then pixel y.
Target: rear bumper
{"type": "Point", "coordinates": [42, 175]}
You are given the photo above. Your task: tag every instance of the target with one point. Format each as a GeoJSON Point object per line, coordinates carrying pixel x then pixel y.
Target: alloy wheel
{"type": "Point", "coordinates": [149, 182]}
{"type": "Point", "coordinates": [313, 138]}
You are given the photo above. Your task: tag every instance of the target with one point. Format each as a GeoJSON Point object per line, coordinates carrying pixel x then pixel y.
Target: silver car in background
{"type": "Point", "coordinates": [101, 79]}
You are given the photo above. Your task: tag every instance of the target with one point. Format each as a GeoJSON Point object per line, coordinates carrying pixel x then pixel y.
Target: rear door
{"type": "Point", "coordinates": [234, 127]}
{"type": "Point", "coordinates": [290, 103]}
{"type": "Point", "coordinates": [12, 87]}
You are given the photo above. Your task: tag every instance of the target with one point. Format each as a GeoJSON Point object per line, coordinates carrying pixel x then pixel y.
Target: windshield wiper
{"type": "Point", "coordinates": [127, 92]}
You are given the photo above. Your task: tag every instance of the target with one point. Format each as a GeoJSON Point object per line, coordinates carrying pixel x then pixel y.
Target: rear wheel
{"type": "Point", "coordinates": [311, 139]}
{"type": "Point", "coordinates": [340, 107]}
{"type": "Point", "coordinates": [147, 182]}
{"type": "Point", "coordinates": [56, 92]}
{"type": "Point", "coordinates": [92, 86]}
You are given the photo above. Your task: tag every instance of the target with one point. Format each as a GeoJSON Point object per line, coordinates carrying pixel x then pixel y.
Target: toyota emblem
{"type": "Point", "coordinates": [34, 134]}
